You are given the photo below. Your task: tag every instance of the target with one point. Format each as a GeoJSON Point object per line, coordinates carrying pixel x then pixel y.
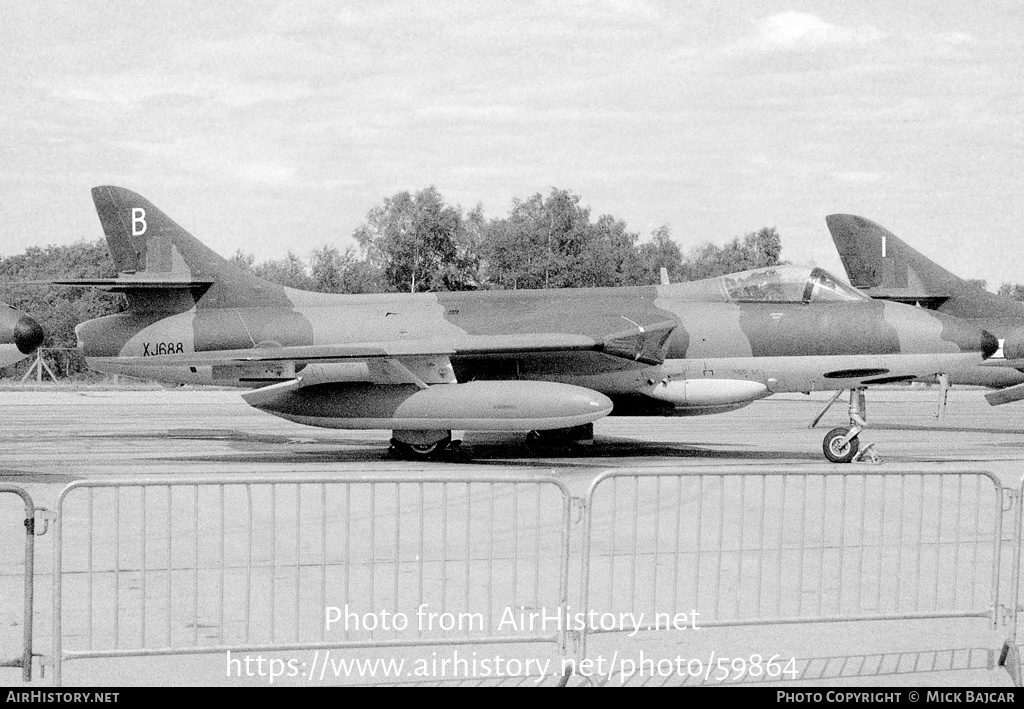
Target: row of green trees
{"type": "Point", "coordinates": [415, 242]}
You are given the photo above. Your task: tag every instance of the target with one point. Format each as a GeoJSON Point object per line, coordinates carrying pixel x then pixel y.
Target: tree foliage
{"type": "Point", "coordinates": [755, 250]}
{"type": "Point", "coordinates": [332, 271]}
{"type": "Point", "coordinates": [419, 243]}
{"type": "Point", "coordinates": [660, 252]}
{"type": "Point", "coordinates": [552, 243]}
{"type": "Point", "coordinates": [1012, 290]}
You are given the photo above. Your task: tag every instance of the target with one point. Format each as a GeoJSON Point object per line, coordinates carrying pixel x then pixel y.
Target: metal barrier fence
{"type": "Point", "coordinates": [210, 565]}
{"type": "Point", "coordinates": [24, 661]}
{"type": "Point", "coordinates": [1010, 657]}
{"type": "Point", "coordinates": [779, 546]}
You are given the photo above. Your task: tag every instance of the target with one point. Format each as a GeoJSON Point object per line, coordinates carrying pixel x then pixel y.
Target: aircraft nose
{"type": "Point", "coordinates": [28, 335]}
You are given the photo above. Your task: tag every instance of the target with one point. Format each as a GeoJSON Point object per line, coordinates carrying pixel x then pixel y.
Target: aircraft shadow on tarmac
{"type": "Point", "coordinates": [268, 448]}
{"type": "Point", "coordinates": [23, 477]}
{"type": "Point", "coordinates": [607, 449]}
{"type": "Point", "coordinates": [943, 428]}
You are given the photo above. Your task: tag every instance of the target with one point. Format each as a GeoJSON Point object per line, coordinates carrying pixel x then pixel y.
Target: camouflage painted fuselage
{"type": "Point", "coordinates": [786, 346]}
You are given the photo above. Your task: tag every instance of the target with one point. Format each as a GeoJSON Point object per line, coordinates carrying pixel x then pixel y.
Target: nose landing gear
{"type": "Point", "coordinates": [841, 445]}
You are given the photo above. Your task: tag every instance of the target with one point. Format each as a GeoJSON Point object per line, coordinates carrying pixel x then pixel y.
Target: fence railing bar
{"type": "Point", "coordinates": [956, 539]}
{"type": "Point", "coordinates": [881, 546]}
{"type": "Point", "coordinates": [248, 556]}
{"type": "Point", "coordinates": [842, 540]}
{"type": "Point", "coordinates": [721, 544]}
{"type": "Point", "coordinates": [398, 548]}
{"type": "Point", "coordinates": [89, 565]}
{"type": "Point", "coordinates": [117, 567]}
{"type": "Point", "coordinates": [142, 542]}
{"type": "Point", "coordinates": [170, 564]}
{"type": "Point", "coordinates": [273, 562]}
{"type": "Point", "coordinates": [321, 622]}
{"type": "Point", "coordinates": [860, 542]}
{"type": "Point", "coordinates": [740, 543]}
{"type": "Point", "coordinates": [938, 542]}
{"type": "Point", "coordinates": [195, 557]}
{"type": "Point", "coordinates": [28, 580]}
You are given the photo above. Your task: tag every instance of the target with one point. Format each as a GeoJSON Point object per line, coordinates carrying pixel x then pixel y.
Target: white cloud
{"type": "Point", "coordinates": [219, 159]}
{"type": "Point", "coordinates": [622, 10]}
{"type": "Point", "coordinates": [374, 13]}
{"type": "Point", "coordinates": [131, 88]}
{"type": "Point", "coordinates": [267, 173]}
{"type": "Point", "coordinates": [859, 177]}
{"type": "Point", "coordinates": [800, 31]}
{"type": "Point", "coordinates": [956, 38]}
{"type": "Point", "coordinates": [494, 112]}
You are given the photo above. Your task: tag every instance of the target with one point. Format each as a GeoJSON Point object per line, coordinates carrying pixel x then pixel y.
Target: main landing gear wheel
{"type": "Point", "coordinates": [420, 450]}
{"type": "Point", "coordinates": [835, 450]}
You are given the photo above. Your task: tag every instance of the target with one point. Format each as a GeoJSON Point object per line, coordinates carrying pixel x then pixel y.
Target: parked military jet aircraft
{"type": "Point", "coordinates": [886, 268]}
{"type": "Point", "coordinates": [20, 335]}
{"type": "Point", "coordinates": [532, 360]}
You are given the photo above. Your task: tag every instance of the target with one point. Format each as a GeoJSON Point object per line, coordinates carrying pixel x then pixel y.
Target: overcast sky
{"type": "Point", "coordinates": [268, 126]}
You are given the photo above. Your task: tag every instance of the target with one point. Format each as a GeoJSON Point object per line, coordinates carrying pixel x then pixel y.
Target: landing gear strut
{"type": "Point", "coordinates": [841, 444]}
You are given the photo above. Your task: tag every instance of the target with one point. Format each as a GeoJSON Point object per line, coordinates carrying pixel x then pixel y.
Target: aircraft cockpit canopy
{"type": "Point", "coordinates": [788, 284]}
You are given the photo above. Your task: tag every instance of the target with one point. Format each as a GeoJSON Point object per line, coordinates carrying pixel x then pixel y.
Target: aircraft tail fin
{"type": "Point", "coordinates": [880, 263]}
{"type": "Point", "coordinates": [150, 249]}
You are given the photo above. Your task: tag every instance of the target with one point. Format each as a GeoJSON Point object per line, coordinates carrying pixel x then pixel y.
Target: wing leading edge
{"type": "Point", "coordinates": [645, 345]}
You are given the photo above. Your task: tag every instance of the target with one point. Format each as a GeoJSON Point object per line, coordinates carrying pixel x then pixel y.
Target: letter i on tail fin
{"type": "Point", "coordinates": [884, 266]}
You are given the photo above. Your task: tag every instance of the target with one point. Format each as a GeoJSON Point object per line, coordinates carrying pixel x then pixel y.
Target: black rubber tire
{"type": "Point", "coordinates": [414, 451]}
{"type": "Point", "coordinates": [832, 450]}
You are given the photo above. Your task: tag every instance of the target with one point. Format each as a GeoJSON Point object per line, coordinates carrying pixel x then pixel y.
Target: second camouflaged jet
{"type": "Point", "coordinates": [887, 268]}
{"type": "Point", "coordinates": [545, 361]}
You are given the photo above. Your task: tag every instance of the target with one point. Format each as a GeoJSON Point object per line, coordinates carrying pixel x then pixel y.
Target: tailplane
{"type": "Point", "coordinates": [881, 264]}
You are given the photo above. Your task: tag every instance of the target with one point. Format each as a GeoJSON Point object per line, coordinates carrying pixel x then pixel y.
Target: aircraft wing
{"type": "Point", "coordinates": [644, 345]}
{"type": "Point", "coordinates": [127, 285]}
{"type": "Point", "coordinates": [306, 354]}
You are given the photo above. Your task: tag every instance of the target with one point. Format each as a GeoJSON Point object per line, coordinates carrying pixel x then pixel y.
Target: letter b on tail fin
{"type": "Point", "coordinates": [140, 237]}
{"type": "Point", "coordinates": [145, 241]}
{"type": "Point", "coordinates": [138, 221]}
